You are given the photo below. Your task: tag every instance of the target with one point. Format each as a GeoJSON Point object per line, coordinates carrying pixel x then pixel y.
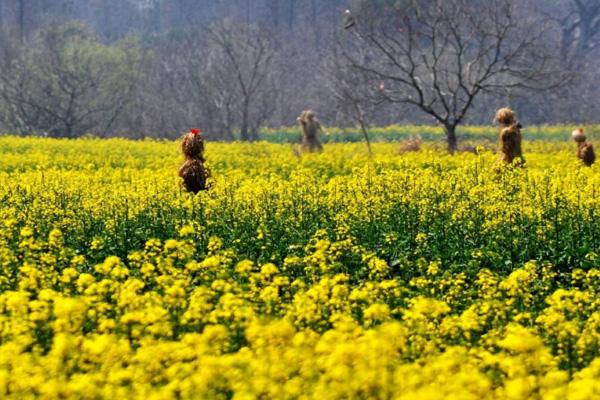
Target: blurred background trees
{"type": "Point", "coordinates": [440, 56]}
{"type": "Point", "coordinates": [66, 83]}
{"type": "Point", "coordinates": [140, 68]}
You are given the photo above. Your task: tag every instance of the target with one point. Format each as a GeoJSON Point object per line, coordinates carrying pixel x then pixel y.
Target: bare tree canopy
{"type": "Point", "coordinates": [245, 55]}
{"type": "Point", "coordinates": [66, 83]}
{"type": "Point", "coordinates": [579, 22]}
{"type": "Point", "coordinates": [440, 55]}
{"type": "Point", "coordinates": [141, 68]}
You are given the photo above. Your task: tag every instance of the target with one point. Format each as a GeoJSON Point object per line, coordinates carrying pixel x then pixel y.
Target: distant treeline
{"type": "Point", "coordinates": [239, 68]}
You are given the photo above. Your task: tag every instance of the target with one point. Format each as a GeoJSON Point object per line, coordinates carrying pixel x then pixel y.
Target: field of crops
{"type": "Point", "coordinates": [330, 276]}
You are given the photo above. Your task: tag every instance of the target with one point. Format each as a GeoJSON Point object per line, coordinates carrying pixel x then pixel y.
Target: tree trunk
{"type": "Point", "coordinates": [451, 137]}
{"type": "Point", "coordinates": [228, 123]}
{"type": "Point", "coordinates": [229, 134]}
{"type": "Point", "coordinates": [365, 132]}
{"type": "Point", "coordinates": [292, 15]}
{"type": "Point", "coordinates": [245, 133]}
{"type": "Point", "coordinates": [273, 6]}
{"type": "Point", "coordinates": [22, 20]}
{"type": "Point", "coordinates": [247, 12]}
{"type": "Point", "coordinates": [244, 127]}
{"type": "Point", "coordinates": [69, 131]}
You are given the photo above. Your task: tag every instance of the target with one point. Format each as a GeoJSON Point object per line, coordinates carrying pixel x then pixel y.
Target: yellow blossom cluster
{"type": "Point", "coordinates": [331, 276]}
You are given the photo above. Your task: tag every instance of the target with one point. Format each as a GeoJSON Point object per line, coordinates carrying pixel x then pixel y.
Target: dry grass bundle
{"type": "Point", "coordinates": [310, 129]}
{"type": "Point", "coordinates": [192, 171]}
{"type": "Point", "coordinates": [505, 117]}
{"type": "Point", "coordinates": [585, 149]}
{"type": "Point", "coordinates": [510, 135]}
{"type": "Point", "coordinates": [410, 145]}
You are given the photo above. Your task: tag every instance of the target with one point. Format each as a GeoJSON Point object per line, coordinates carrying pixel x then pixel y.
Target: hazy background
{"type": "Point", "coordinates": [155, 68]}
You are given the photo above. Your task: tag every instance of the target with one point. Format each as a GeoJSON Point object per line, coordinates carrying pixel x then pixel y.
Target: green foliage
{"type": "Point", "coordinates": [118, 193]}
{"type": "Point", "coordinates": [68, 83]}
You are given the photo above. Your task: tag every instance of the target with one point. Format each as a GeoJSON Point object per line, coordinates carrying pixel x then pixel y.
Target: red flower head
{"type": "Point", "coordinates": [195, 131]}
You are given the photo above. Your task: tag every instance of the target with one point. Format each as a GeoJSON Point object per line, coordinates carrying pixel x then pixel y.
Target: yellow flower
{"type": "Point", "coordinates": [520, 339]}
{"type": "Point", "coordinates": [187, 230]}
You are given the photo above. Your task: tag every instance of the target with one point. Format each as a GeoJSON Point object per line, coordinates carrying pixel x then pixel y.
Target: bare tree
{"type": "Point", "coordinates": [67, 84]}
{"type": "Point", "coordinates": [575, 33]}
{"type": "Point", "coordinates": [222, 93]}
{"type": "Point", "coordinates": [579, 21]}
{"type": "Point", "coordinates": [21, 19]}
{"type": "Point", "coordinates": [355, 95]}
{"type": "Point", "coordinates": [192, 93]}
{"type": "Point", "coordinates": [440, 55]}
{"type": "Point", "coordinates": [191, 77]}
{"type": "Point", "coordinates": [245, 54]}
{"type": "Point", "coordinates": [221, 78]}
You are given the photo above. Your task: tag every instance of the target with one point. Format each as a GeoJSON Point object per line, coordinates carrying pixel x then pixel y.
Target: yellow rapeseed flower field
{"type": "Point", "coordinates": [326, 276]}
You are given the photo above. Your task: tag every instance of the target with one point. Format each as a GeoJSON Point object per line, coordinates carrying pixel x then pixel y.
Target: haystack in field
{"type": "Point", "coordinates": [310, 132]}
{"type": "Point", "coordinates": [410, 145]}
{"type": "Point", "coordinates": [510, 135]}
{"type": "Point", "coordinates": [585, 149]}
{"type": "Point", "coordinates": [192, 171]}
